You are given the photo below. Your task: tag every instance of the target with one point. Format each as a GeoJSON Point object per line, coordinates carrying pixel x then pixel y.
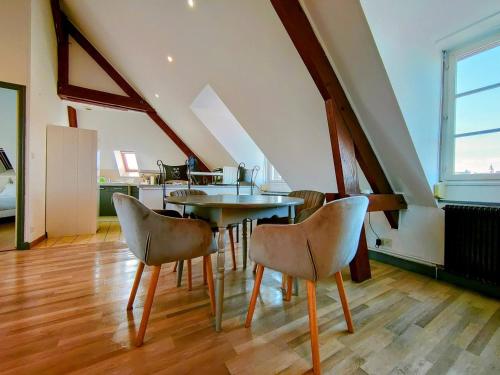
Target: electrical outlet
{"type": "Point", "coordinates": [386, 242]}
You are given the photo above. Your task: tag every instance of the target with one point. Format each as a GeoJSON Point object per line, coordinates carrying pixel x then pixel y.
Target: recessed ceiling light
{"type": "Point", "coordinates": [157, 95]}
{"type": "Point", "coordinates": [191, 3]}
{"type": "Point", "coordinates": [170, 59]}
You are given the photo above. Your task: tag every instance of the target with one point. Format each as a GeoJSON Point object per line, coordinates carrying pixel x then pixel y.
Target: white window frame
{"type": "Point", "coordinates": [447, 159]}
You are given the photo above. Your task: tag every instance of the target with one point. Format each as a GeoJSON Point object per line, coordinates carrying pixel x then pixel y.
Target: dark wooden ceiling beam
{"type": "Point", "coordinates": [133, 101]}
{"type": "Point", "coordinates": [101, 98]}
{"type": "Point", "coordinates": [100, 60]}
{"type": "Point", "coordinates": [377, 202]}
{"type": "Point", "coordinates": [62, 45]}
{"type": "Point", "coordinates": [312, 53]}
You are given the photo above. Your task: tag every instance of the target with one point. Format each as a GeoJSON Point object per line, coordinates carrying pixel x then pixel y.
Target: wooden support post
{"type": "Point", "coordinates": [344, 161]}
{"type": "Point", "coordinates": [72, 119]}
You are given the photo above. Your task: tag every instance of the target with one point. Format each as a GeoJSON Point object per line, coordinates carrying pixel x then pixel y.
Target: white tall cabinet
{"type": "Point", "coordinates": [71, 189]}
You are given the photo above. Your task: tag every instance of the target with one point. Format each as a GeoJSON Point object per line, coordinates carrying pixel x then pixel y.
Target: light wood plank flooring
{"type": "Point", "coordinates": [108, 230]}
{"type": "Point", "coordinates": [62, 309]}
{"type": "Point", "coordinates": [7, 236]}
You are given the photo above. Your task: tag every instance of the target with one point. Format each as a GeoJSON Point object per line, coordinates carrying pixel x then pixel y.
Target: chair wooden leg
{"type": "Point", "coordinates": [175, 267]}
{"type": "Point", "coordinates": [255, 294]}
{"type": "Point", "coordinates": [313, 326]}
{"type": "Point", "coordinates": [190, 275]}
{"type": "Point", "coordinates": [255, 268]}
{"type": "Point", "coordinates": [345, 304]}
{"type": "Point", "coordinates": [289, 287]}
{"type": "Point", "coordinates": [204, 271]}
{"type": "Point", "coordinates": [147, 305]}
{"type": "Point", "coordinates": [233, 252]}
{"type": "Point", "coordinates": [210, 279]}
{"type": "Point", "coordinates": [137, 280]}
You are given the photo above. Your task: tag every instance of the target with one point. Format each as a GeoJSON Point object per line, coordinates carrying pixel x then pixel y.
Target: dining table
{"type": "Point", "coordinates": [223, 210]}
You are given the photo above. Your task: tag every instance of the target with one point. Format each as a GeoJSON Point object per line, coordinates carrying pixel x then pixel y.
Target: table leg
{"type": "Point", "coordinates": [221, 259]}
{"type": "Point", "coordinates": [291, 220]}
{"type": "Point", "coordinates": [180, 267]}
{"type": "Point", "coordinates": [244, 246]}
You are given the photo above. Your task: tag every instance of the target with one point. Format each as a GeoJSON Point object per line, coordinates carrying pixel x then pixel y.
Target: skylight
{"type": "Point", "coordinates": [126, 162]}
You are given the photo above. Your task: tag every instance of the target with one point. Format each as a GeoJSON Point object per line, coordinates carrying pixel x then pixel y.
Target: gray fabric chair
{"type": "Point", "coordinates": [155, 239]}
{"type": "Point", "coordinates": [316, 248]}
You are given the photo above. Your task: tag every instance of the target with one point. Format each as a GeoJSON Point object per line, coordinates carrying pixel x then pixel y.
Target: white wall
{"type": "Point", "coordinates": [8, 124]}
{"type": "Point", "coordinates": [129, 131]}
{"type": "Point", "coordinates": [14, 41]}
{"type": "Point", "coordinates": [45, 108]}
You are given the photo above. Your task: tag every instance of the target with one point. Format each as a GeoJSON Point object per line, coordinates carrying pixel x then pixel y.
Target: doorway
{"type": "Point", "coordinates": [12, 135]}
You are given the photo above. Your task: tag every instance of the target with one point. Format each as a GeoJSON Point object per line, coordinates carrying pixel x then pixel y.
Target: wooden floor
{"type": "Point", "coordinates": [62, 309]}
{"type": "Point", "coordinates": [108, 230]}
{"type": "Point", "coordinates": [7, 236]}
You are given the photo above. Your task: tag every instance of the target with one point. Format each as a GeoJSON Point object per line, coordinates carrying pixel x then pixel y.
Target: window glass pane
{"type": "Point", "coordinates": [480, 111]}
{"type": "Point", "coordinates": [275, 176]}
{"type": "Point", "coordinates": [479, 70]}
{"type": "Point", "coordinates": [130, 161]}
{"type": "Point", "coordinates": [478, 154]}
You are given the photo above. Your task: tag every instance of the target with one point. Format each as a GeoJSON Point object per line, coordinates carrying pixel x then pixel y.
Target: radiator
{"type": "Point", "coordinates": [472, 242]}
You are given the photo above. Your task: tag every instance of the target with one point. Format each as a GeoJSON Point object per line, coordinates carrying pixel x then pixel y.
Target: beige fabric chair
{"type": "Point", "coordinates": [317, 248]}
{"type": "Point", "coordinates": [313, 200]}
{"type": "Point", "coordinates": [155, 239]}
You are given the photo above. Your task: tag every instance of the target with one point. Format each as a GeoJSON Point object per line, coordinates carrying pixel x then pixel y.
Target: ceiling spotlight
{"type": "Point", "coordinates": [191, 3]}
{"type": "Point", "coordinates": [157, 95]}
{"type": "Point", "coordinates": [170, 59]}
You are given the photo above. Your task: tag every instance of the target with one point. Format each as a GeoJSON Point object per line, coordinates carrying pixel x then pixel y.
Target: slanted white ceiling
{"type": "Point", "coordinates": [241, 49]}
{"type": "Point", "coordinates": [349, 43]}
{"type": "Point", "coordinates": [215, 115]}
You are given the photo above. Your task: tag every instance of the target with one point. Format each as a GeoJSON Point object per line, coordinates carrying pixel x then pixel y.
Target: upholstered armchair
{"type": "Point", "coordinates": [155, 239]}
{"type": "Point", "coordinates": [316, 248]}
{"type": "Point", "coordinates": [313, 200]}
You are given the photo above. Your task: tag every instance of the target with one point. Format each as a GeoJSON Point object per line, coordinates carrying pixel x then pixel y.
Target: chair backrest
{"type": "Point", "coordinates": [186, 192]}
{"type": "Point", "coordinates": [312, 199]}
{"type": "Point", "coordinates": [333, 234]}
{"type": "Point", "coordinates": [132, 214]}
{"type": "Point", "coordinates": [156, 239]}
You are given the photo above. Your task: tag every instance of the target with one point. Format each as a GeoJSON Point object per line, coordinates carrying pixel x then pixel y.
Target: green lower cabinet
{"type": "Point", "coordinates": [106, 206]}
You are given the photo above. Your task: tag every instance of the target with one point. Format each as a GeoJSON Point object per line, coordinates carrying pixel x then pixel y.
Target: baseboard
{"type": "Point", "coordinates": [436, 273]}
{"type": "Point", "coordinates": [36, 241]}
{"type": "Point", "coordinates": [405, 264]}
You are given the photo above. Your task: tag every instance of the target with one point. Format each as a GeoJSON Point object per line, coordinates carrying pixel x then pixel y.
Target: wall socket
{"type": "Point", "coordinates": [386, 242]}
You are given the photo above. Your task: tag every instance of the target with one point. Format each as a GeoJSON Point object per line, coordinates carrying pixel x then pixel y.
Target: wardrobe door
{"type": "Point", "coordinates": [87, 181]}
{"type": "Point", "coordinates": [62, 181]}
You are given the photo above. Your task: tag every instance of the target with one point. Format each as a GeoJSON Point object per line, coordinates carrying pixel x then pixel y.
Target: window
{"type": "Point", "coordinates": [272, 174]}
{"type": "Point", "coordinates": [126, 161]}
{"type": "Point", "coordinates": [471, 113]}
{"type": "Point", "coordinates": [129, 161]}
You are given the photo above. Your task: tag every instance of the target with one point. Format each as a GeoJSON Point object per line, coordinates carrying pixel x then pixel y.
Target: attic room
{"type": "Point", "coordinates": [250, 187]}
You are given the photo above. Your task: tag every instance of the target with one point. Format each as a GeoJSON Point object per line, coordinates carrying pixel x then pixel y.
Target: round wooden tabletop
{"type": "Point", "coordinates": [235, 201]}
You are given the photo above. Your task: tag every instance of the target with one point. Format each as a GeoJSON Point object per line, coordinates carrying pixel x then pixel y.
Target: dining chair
{"type": "Point", "coordinates": [317, 248]}
{"type": "Point", "coordinates": [155, 240]}
{"type": "Point", "coordinates": [313, 200]}
{"type": "Point", "coordinates": [179, 266]}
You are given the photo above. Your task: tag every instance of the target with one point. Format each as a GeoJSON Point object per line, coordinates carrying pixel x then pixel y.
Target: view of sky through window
{"type": "Point", "coordinates": [477, 113]}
